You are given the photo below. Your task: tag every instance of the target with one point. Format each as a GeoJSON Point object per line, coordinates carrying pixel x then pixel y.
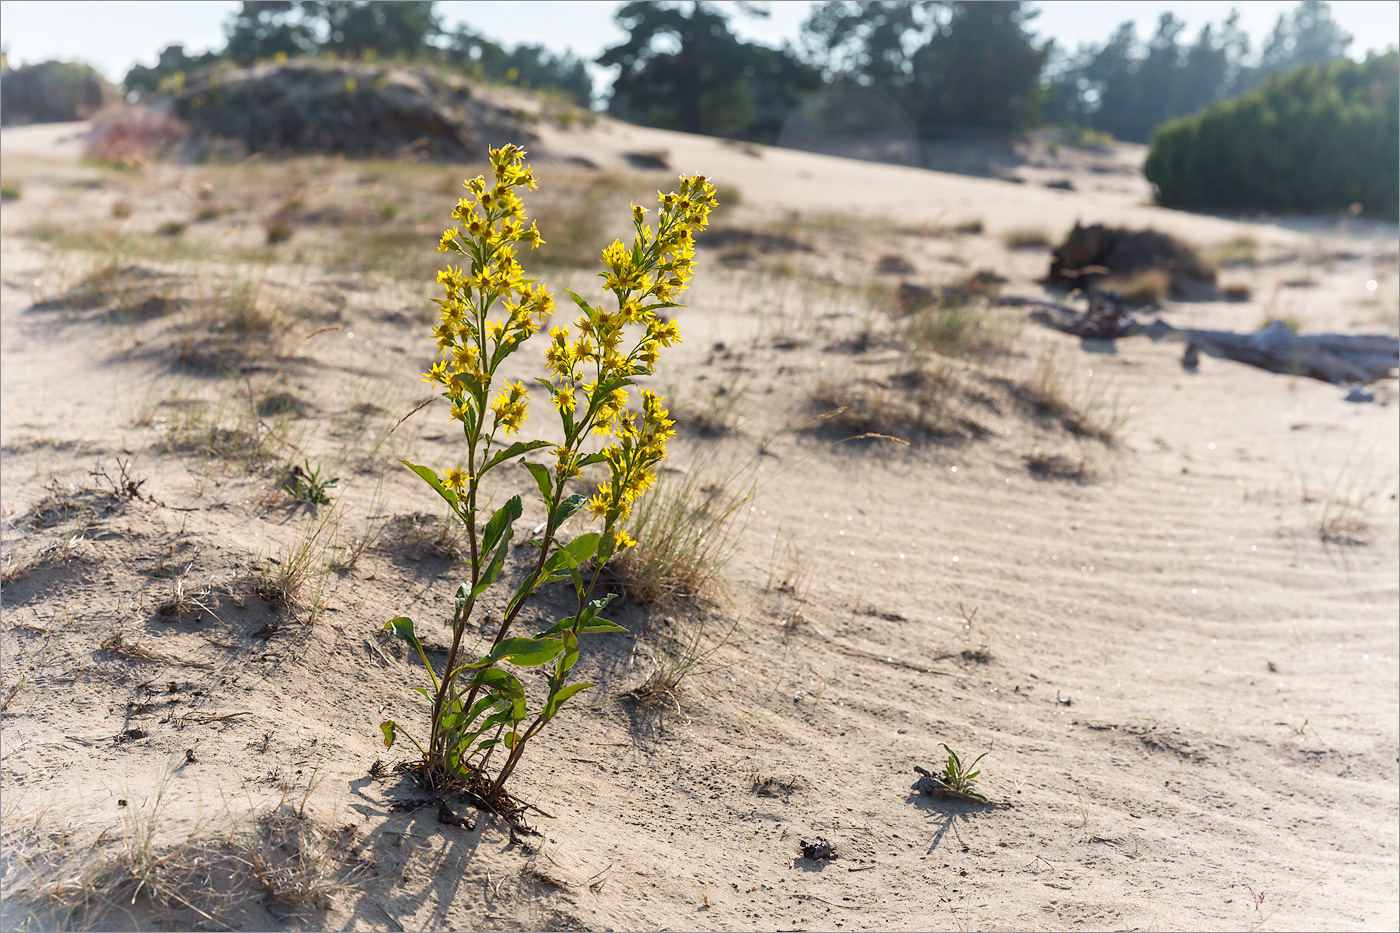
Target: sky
{"type": "Point", "coordinates": [113, 35]}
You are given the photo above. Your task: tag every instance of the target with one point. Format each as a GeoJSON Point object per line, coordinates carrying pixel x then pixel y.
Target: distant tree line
{"type": "Point", "coordinates": [369, 30]}
{"type": "Point", "coordinates": [1127, 87]}
{"type": "Point", "coordinates": [1318, 139]}
{"type": "Point", "coordinates": [948, 65]}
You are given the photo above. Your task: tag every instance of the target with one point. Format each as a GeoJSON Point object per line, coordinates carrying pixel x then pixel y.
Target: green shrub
{"type": "Point", "coordinates": [52, 92]}
{"type": "Point", "coordinates": [1316, 140]}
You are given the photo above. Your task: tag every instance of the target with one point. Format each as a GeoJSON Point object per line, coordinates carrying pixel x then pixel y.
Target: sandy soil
{"type": "Point", "coordinates": [1177, 647]}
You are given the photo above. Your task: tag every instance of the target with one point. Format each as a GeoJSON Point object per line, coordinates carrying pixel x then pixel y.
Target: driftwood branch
{"type": "Point", "coordinates": [1341, 359]}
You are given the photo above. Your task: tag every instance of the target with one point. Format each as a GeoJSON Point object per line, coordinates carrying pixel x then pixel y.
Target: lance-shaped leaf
{"type": "Point", "coordinates": [568, 659]}
{"type": "Point", "coordinates": [508, 690]}
{"type": "Point", "coordinates": [500, 523]}
{"type": "Point", "coordinates": [514, 450]}
{"type": "Point", "coordinates": [570, 555]}
{"type": "Point", "coordinates": [431, 478]}
{"type": "Point", "coordinates": [403, 628]}
{"type": "Point", "coordinates": [558, 700]}
{"type": "Point", "coordinates": [522, 652]}
{"type": "Point", "coordinates": [584, 306]}
{"type": "Point", "coordinates": [542, 479]}
{"type": "Point", "coordinates": [500, 529]}
{"type": "Point", "coordinates": [568, 507]}
{"type": "Point", "coordinates": [595, 627]}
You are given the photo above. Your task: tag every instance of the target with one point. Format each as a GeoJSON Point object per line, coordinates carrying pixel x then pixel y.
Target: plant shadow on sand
{"type": "Point", "coordinates": [946, 815]}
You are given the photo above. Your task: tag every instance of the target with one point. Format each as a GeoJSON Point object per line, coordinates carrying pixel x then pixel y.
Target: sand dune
{"type": "Point", "coordinates": [1166, 613]}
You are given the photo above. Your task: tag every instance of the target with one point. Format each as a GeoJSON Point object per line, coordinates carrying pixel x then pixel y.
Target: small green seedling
{"type": "Point", "coordinates": [307, 484]}
{"type": "Point", "coordinates": [955, 779]}
{"type": "Point", "coordinates": [960, 777]}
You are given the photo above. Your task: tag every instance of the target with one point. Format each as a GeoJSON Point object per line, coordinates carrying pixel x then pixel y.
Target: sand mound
{"type": "Point", "coordinates": [52, 92]}
{"type": "Point", "coordinates": [349, 109]}
{"type": "Point", "coordinates": [1125, 254]}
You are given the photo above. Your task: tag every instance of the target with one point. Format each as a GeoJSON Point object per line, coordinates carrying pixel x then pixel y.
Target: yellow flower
{"type": "Point", "coordinates": [448, 241]}
{"type": "Point", "coordinates": [465, 357]}
{"type": "Point", "coordinates": [455, 478]}
{"type": "Point", "coordinates": [601, 501]}
{"type": "Point", "coordinates": [564, 399]}
{"type": "Point", "coordinates": [438, 373]}
{"type": "Point", "coordinates": [510, 407]}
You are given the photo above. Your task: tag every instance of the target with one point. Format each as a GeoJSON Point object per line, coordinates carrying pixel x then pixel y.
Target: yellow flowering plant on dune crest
{"type": "Point", "coordinates": [481, 714]}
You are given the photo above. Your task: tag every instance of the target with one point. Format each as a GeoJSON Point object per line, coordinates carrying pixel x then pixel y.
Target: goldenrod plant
{"type": "Point", "coordinates": [481, 714]}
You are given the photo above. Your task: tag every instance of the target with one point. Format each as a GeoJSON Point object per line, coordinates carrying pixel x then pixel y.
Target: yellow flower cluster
{"type": "Point", "coordinates": [640, 446]}
{"type": "Point", "coordinates": [492, 221]}
{"type": "Point", "coordinates": [644, 278]}
{"type": "Point", "coordinates": [591, 365]}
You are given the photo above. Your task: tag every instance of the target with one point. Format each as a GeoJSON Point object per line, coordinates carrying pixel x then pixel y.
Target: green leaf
{"type": "Point", "coordinates": [500, 523]}
{"type": "Point", "coordinates": [560, 698]}
{"type": "Point", "coordinates": [508, 688]}
{"type": "Point", "coordinates": [402, 627]}
{"type": "Point", "coordinates": [584, 306]}
{"type": "Point", "coordinates": [596, 627]}
{"type": "Point", "coordinates": [595, 606]}
{"type": "Point", "coordinates": [387, 727]}
{"type": "Point", "coordinates": [479, 707]}
{"type": "Point", "coordinates": [568, 507]}
{"type": "Point", "coordinates": [522, 652]}
{"type": "Point", "coordinates": [463, 597]}
{"type": "Point", "coordinates": [543, 479]}
{"type": "Point", "coordinates": [608, 548]}
{"type": "Point", "coordinates": [431, 478]}
{"type": "Point", "coordinates": [514, 450]}
{"type": "Point", "coordinates": [572, 554]}
{"type": "Point", "coordinates": [569, 658]}
{"type": "Point", "coordinates": [592, 459]}
{"type": "Point", "coordinates": [501, 528]}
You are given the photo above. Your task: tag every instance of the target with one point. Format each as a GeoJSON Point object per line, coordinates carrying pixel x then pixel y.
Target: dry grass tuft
{"type": "Point", "coordinates": [297, 579]}
{"type": "Point", "coordinates": [294, 860]}
{"type": "Point", "coordinates": [1241, 250]}
{"type": "Point", "coordinates": [1148, 288]}
{"type": "Point", "coordinates": [119, 643]}
{"type": "Point", "coordinates": [1026, 238]}
{"type": "Point", "coordinates": [929, 401]}
{"type": "Point", "coordinates": [681, 650]}
{"type": "Point", "coordinates": [962, 326]}
{"type": "Point", "coordinates": [1097, 412]}
{"type": "Point", "coordinates": [686, 530]}
{"type": "Point", "coordinates": [280, 859]}
{"type": "Point", "coordinates": [1349, 503]}
{"type": "Point", "coordinates": [425, 537]}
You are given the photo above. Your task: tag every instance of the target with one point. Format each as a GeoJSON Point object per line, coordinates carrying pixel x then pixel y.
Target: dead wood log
{"type": "Point", "coordinates": [1340, 359]}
